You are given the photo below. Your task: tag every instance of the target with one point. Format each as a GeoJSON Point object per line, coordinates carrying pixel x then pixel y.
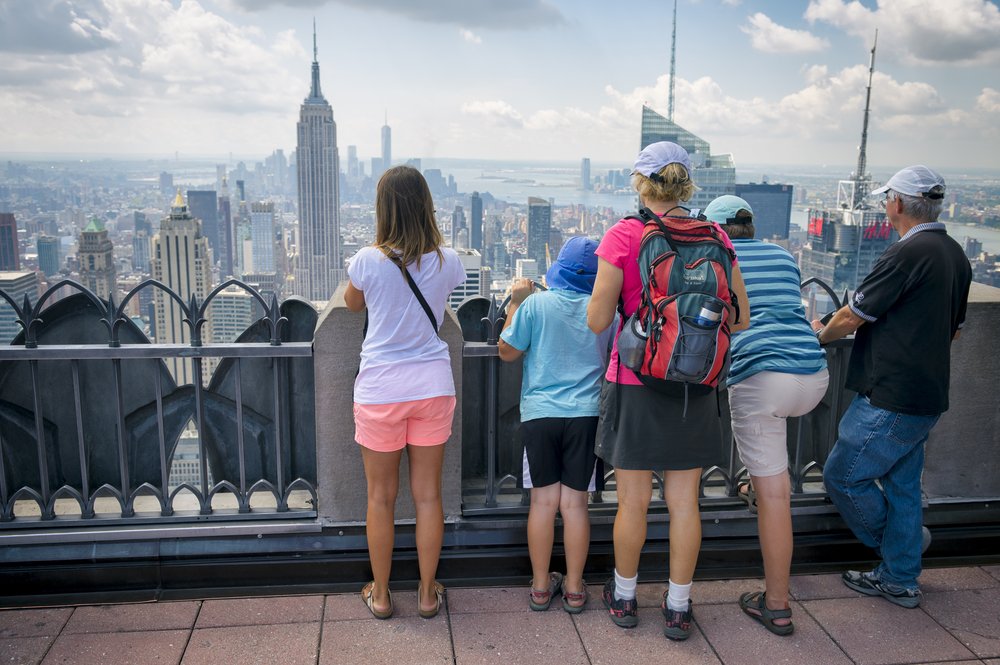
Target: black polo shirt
{"type": "Point", "coordinates": [913, 302]}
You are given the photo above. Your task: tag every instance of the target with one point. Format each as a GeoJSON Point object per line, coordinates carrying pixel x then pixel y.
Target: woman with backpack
{"type": "Point", "coordinates": [404, 394]}
{"type": "Point", "coordinates": [664, 426]}
{"type": "Point", "coordinates": [778, 372]}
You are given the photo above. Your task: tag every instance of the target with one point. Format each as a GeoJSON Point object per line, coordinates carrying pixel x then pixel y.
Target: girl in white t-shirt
{"type": "Point", "coordinates": [404, 395]}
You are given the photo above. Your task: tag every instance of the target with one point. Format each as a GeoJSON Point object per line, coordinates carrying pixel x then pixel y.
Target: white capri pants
{"type": "Point", "coordinates": [760, 406]}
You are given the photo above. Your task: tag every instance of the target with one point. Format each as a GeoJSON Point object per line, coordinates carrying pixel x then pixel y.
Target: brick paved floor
{"type": "Point", "coordinates": [958, 622]}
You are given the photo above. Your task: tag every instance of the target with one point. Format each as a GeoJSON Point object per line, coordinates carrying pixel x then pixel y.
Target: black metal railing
{"type": "Point", "coordinates": [491, 447]}
{"type": "Point", "coordinates": [90, 420]}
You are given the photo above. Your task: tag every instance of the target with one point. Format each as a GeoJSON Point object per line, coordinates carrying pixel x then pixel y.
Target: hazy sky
{"type": "Point", "coordinates": [771, 81]}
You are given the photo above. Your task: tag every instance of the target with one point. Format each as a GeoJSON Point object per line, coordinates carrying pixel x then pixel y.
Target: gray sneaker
{"type": "Point", "coordinates": [870, 585]}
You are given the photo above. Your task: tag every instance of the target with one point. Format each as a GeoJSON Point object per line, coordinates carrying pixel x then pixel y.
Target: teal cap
{"type": "Point", "coordinates": [723, 210]}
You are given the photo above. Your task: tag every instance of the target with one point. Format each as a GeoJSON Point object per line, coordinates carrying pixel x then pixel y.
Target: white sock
{"type": "Point", "coordinates": [625, 587]}
{"type": "Point", "coordinates": [678, 596]}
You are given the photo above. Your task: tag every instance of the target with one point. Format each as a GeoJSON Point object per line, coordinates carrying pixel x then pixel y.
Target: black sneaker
{"type": "Point", "coordinates": [870, 585]}
{"type": "Point", "coordinates": [677, 625]}
{"type": "Point", "coordinates": [623, 612]}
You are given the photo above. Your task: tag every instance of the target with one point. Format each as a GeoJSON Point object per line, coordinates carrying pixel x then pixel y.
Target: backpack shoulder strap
{"type": "Point", "coordinates": [647, 216]}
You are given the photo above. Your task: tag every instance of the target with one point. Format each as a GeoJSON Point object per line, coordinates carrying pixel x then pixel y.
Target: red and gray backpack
{"type": "Point", "coordinates": [680, 332]}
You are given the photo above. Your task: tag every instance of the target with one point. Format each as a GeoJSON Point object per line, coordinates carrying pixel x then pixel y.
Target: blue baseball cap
{"type": "Point", "coordinates": [655, 156]}
{"type": "Point", "coordinates": [723, 210]}
{"type": "Point", "coordinates": [576, 267]}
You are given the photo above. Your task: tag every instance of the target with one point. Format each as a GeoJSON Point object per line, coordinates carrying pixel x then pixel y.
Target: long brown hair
{"type": "Point", "coordinates": [404, 215]}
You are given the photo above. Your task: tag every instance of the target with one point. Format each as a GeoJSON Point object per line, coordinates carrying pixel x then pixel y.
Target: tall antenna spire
{"type": "Point", "coordinates": [314, 92]}
{"type": "Point", "coordinates": [673, 63]}
{"type": "Point", "coordinates": [861, 191]}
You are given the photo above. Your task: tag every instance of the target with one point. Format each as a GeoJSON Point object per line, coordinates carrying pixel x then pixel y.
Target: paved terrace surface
{"type": "Point", "coordinates": [958, 622]}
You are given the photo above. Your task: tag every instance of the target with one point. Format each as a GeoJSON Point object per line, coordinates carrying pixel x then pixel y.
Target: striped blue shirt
{"type": "Point", "coordinates": [779, 338]}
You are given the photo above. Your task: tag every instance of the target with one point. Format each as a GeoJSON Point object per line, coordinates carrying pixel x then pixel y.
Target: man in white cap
{"type": "Point", "coordinates": [906, 313]}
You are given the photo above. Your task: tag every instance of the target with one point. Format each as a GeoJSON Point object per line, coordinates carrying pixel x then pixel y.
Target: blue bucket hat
{"type": "Point", "coordinates": [576, 267]}
{"type": "Point", "coordinates": [723, 210]}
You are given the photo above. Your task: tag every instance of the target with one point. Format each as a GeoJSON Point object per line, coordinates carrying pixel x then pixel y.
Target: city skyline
{"type": "Point", "coordinates": [770, 82]}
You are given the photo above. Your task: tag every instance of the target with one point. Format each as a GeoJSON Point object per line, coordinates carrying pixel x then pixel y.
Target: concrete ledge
{"type": "Point", "coordinates": [340, 473]}
{"type": "Point", "coordinates": [961, 451]}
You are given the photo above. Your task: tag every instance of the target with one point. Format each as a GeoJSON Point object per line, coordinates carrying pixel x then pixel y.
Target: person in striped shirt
{"type": "Point", "coordinates": [778, 372]}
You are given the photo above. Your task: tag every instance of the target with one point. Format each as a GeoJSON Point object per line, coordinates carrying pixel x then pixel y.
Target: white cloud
{"type": "Point", "coordinates": [989, 101]}
{"type": "Point", "coordinates": [769, 37]}
{"type": "Point", "coordinates": [732, 3]}
{"type": "Point", "coordinates": [55, 26]}
{"type": "Point", "coordinates": [180, 71]}
{"type": "Point", "coordinates": [920, 32]}
{"type": "Point", "coordinates": [497, 112]}
{"type": "Point", "coordinates": [470, 36]}
{"type": "Point", "coordinates": [825, 114]}
{"type": "Point", "coordinates": [506, 15]}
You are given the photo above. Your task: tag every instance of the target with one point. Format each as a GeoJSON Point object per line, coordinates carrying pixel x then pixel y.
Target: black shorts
{"type": "Point", "coordinates": [560, 450]}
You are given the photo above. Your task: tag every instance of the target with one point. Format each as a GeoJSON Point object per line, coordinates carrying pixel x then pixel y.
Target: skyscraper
{"type": "Point", "coordinates": [585, 184]}
{"type": "Point", "coordinates": [97, 261]}
{"type": "Point", "coordinates": [140, 242]}
{"type": "Point", "coordinates": [225, 230]}
{"type": "Point", "coordinates": [457, 226]}
{"type": "Point", "coordinates": [166, 183]}
{"type": "Point", "coordinates": [15, 284]}
{"type": "Point", "coordinates": [48, 255]}
{"type": "Point", "coordinates": [843, 243]}
{"type": "Point", "coordinates": [262, 235]}
{"type": "Point", "coordinates": [715, 175]}
{"type": "Point", "coordinates": [386, 144]}
{"type": "Point", "coordinates": [204, 205]}
{"type": "Point", "coordinates": [10, 256]}
{"type": "Point", "coordinates": [319, 262]}
{"type": "Point", "coordinates": [539, 228]}
{"type": "Point", "coordinates": [182, 260]}
{"type": "Point", "coordinates": [232, 313]}
{"type": "Point", "coordinates": [352, 161]}
{"type": "Point", "coordinates": [475, 283]}
{"type": "Point", "coordinates": [772, 208]}
{"type": "Point", "coordinates": [476, 222]}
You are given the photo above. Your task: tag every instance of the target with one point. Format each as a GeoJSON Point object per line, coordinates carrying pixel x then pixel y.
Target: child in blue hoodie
{"type": "Point", "coordinates": [560, 393]}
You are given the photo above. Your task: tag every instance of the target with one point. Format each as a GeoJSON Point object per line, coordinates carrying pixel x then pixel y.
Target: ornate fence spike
{"type": "Point", "coordinates": [275, 320]}
{"type": "Point", "coordinates": [195, 320]}
{"type": "Point", "coordinates": [29, 321]}
{"type": "Point", "coordinates": [492, 322]}
{"type": "Point", "coordinates": [113, 320]}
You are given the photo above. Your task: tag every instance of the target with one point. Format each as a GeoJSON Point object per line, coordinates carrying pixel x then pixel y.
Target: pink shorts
{"type": "Point", "coordinates": [386, 428]}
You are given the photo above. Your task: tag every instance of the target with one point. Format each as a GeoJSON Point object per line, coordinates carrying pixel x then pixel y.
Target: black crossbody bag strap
{"type": "Point", "coordinates": [416, 290]}
{"type": "Point", "coordinates": [420, 299]}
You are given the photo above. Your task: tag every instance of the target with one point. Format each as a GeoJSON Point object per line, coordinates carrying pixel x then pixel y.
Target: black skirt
{"type": "Point", "coordinates": [654, 432]}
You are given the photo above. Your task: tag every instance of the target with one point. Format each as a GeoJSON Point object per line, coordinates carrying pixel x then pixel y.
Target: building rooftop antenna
{"type": "Point", "coordinates": [861, 190]}
{"type": "Point", "coordinates": [673, 66]}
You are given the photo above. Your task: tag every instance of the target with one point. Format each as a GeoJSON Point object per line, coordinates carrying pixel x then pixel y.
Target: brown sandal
{"type": "Point", "coordinates": [573, 602]}
{"type": "Point", "coordinates": [438, 596]}
{"type": "Point", "coordinates": [368, 595]}
{"type": "Point", "coordinates": [539, 601]}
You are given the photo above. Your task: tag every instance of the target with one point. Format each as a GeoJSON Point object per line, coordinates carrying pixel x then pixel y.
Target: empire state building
{"type": "Point", "coordinates": [319, 266]}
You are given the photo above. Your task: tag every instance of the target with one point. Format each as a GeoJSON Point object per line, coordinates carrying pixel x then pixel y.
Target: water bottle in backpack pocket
{"type": "Point", "coordinates": [695, 354]}
{"type": "Point", "coordinates": [632, 343]}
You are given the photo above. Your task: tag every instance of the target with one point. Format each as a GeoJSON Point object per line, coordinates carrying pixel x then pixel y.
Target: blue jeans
{"type": "Point", "coordinates": [879, 445]}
